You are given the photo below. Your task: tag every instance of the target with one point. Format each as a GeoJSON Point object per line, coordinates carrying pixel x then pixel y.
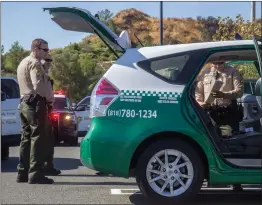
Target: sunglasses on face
{"type": "Point", "coordinates": [48, 60]}
{"type": "Point", "coordinates": [44, 49]}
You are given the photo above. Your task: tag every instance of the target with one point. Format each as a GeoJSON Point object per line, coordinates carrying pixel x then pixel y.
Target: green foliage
{"type": "Point", "coordinates": [247, 70]}
{"type": "Point", "coordinates": [228, 28]}
{"type": "Point", "coordinates": [14, 57]}
{"type": "Point", "coordinates": [67, 74]}
{"type": "Point", "coordinates": [208, 27]}
{"type": "Point", "coordinates": [105, 15]}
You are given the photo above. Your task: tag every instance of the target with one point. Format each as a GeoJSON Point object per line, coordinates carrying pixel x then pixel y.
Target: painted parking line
{"type": "Point", "coordinates": [125, 191]}
{"type": "Point", "coordinates": [204, 190]}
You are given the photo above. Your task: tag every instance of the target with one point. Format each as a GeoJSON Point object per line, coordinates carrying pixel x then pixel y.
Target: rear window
{"type": "Point", "coordinates": [60, 103]}
{"type": "Point", "coordinates": [169, 68]}
{"type": "Point", "coordinates": [177, 68]}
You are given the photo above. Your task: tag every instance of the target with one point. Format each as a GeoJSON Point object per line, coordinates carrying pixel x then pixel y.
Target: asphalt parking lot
{"type": "Point", "coordinates": [79, 185]}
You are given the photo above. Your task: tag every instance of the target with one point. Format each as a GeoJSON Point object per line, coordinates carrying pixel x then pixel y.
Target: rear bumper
{"type": "Point", "coordinates": [10, 140]}
{"type": "Point", "coordinates": [65, 132]}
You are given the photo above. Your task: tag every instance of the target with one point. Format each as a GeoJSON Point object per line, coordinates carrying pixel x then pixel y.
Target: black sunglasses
{"type": "Point", "coordinates": [44, 49]}
{"type": "Point", "coordinates": [48, 60]}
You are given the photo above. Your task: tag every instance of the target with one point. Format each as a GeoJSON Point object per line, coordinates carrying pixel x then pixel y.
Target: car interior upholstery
{"type": "Point", "coordinates": [242, 144]}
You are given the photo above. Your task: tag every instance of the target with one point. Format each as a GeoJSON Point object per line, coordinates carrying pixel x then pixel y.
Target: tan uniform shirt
{"type": "Point", "coordinates": [232, 85]}
{"type": "Point", "coordinates": [31, 77]}
{"type": "Point", "coordinates": [50, 94]}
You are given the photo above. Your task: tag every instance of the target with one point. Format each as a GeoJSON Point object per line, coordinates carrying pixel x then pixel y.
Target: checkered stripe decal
{"type": "Point", "coordinates": [150, 93]}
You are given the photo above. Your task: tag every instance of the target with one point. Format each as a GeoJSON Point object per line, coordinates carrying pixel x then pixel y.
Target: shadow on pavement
{"type": "Point", "coordinates": [10, 165]}
{"type": "Point", "coordinates": [86, 175]}
{"type": "Point", "coordinates": [96, 183]}
{"type": "Point", "coordinates": [252, 198]}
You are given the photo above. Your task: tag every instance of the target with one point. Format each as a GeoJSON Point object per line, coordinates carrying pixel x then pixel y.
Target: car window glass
{"type": "Point", "coordinates": [60, 103]}
{"type": "Point", "coordinates": [250, 75]}
{"type": "Point", "coordinates": [10, 88]}
{"type": "Point", "coordinates": [169, 68]}
{"type": "Point", "coordinates": [86, 101]}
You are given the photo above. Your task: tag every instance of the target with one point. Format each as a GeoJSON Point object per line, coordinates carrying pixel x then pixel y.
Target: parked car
{"type": "Point", "coordinates": [82, 112]}
{"type": "Point", "coordinates": [63, 120]}
{"type": "Point", "coordinates": [146, 122]}
{"type": "Point", "coordinates": [10, 118]}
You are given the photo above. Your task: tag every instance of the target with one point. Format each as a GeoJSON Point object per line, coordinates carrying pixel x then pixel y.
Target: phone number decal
{"type": "Point", "coordinates": [125, 113]}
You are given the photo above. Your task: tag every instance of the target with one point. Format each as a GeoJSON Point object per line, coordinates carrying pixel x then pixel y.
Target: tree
{"type": "Point", "coordinates": [208, 27]}
{"type": "Point", "coordinates": [105, 15]}
{"type": "Point", "coordinates": [2, 58]}
{"type": "Point", "coordinates": [228, 28]}
{"type": "Point", "coordinates": [14, 56]}
{"type": "Point", "coordinates": [67, 74]}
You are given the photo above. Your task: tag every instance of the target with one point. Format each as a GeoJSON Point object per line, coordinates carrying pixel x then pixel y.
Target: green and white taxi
{"type": "Point", "coordinates": [146, 122]}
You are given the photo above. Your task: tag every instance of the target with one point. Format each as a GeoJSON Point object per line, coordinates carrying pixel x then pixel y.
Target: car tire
{"type": "Point", "coordinates": [4, 153]}
{"type": "Point", "coordinates": [194, 170]}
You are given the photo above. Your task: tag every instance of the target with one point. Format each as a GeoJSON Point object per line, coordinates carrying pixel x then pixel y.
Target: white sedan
{"type": "Point", "coordinates": [82, 111]}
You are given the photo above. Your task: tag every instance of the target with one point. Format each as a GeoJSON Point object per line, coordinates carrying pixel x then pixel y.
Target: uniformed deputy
{"type": "Point", "coordinates": [224, 104]}
{"type": "Point", "coordinates": [33, 85]}
{"type": "Point", "coordinates": [224, 110]}
{"type": "Point", "coordinates": [49, 166]}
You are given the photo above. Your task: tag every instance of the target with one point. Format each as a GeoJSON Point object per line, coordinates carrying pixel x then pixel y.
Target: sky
{"type": "Point", "coordinates": [25, 21]}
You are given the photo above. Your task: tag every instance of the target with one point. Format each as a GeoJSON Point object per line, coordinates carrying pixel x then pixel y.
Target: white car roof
{"type": "Point", "coordinates": [7, 77]}
{"type": "Point", "coordinates": [155, 51]}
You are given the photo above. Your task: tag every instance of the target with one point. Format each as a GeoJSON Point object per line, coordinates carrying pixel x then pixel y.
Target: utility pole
{"type": "Point", "coordinates": [161, 22]}
{"type": "Point", "coordinates": [253, 11]}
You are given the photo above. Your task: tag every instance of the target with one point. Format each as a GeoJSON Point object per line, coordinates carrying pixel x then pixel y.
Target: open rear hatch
{"type": "Point", "coordinates": [80, 20]}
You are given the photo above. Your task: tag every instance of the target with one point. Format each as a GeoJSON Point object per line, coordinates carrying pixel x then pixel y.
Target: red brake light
{"type": "Point", "coordinates": [106, 88]}
{"type": "Point", "coordinates": [54, 115]}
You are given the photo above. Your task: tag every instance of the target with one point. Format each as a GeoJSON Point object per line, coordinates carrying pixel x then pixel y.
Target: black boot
{"type": "Point", "coordinates": [22, 178]}
{"type": "Point", "coordinates": [51, 172]}
{"type": "Point", "coordinates": [41, 180]}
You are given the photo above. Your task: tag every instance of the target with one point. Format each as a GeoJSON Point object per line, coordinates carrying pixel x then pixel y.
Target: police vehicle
{"type": "Point", "coordinates": [146, 122]}
{"type": "Point", "coordinates": [63, 120]}
{"type": "Point", "coordinates": [10, 118]}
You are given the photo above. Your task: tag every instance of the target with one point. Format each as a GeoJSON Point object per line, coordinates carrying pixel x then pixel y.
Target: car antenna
{"type": "Point", "coordinates": [138, 39]}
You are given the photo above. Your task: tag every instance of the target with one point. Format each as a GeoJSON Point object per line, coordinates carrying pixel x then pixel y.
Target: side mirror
{"type": "Point", "coordinates": [3, 96]}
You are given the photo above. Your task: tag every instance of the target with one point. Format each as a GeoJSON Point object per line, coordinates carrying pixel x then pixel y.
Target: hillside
{"type": "Point", "coordinates": [148, 28]}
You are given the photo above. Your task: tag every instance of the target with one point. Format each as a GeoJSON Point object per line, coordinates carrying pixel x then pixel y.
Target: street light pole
{"type": "Point", "coordinates": [253, 11]}
{"type": "Point", "coordinates": [161, 22]}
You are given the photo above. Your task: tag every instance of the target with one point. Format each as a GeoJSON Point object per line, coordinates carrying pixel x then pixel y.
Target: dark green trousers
{"type": "Point", "coordinates": [50, 146]}
{"type": "Point", "coordinates": [33, 140]}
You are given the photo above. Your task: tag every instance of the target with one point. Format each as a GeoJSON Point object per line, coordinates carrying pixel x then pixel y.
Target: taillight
{"type": "Point", "coordinates": [102, 96]}
{"type": "Point", "coordinates": [106, 88]}
{"type": "Point", "coordinates": [54, 116]}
